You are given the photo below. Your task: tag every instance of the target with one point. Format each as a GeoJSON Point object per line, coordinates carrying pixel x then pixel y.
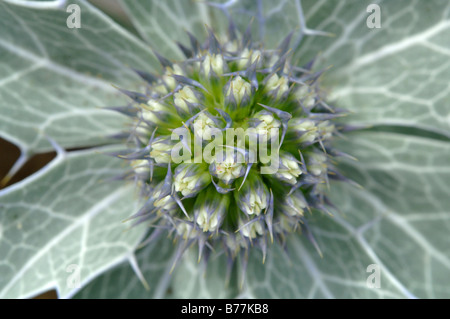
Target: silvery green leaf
{"type": "Point", "coordinates": [190, 279]}
{"type": "Point", "coordinates": [394, 75]}
{"type": "Point", "coordinates": [124, 281]}
{"type": "Point", "coordinates": [399, 222]}
{"type": "Point", "coordinates": [54, 80]}
{"type": "Point", "coordinates": [164, 23]}
{"type": "Point", "coordinates": [62, 226]}
{"type": "Point", "coordinates": [193, 280]}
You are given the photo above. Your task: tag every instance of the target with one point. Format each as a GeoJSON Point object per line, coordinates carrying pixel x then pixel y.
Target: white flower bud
{"type": "Point", "coordinates": [140, 167]}
{"type": "Point", "coordinates": [184, 96]}
{"type": "Point", "coordinates": [256, 203]}
{"type": "Point", "coordinates": [252, 198]}
{"type": "Point", "coordinates": [278, 85]}
{"type": "Point", "coordinates": [227, 167]}
{"type": "Point", "coordinates": [274, 58]}
{"type": "Point", "coordinates": [249, 57]}
{"type": "Point", "coordinates": [160, 88]}
{"type": "Point", "coordinates": [240, 89]}
{"type": "Point", "coordinates": [168, 79]}
{"type": "Point", "coordinates": [307, 129]}
{"type": "Point", "coordinates": [252, 230]}
{"type": "Point", "coordinates": [266, 123]}
{"type": "Point", "coordinates": [210, 210]}
{"type": "Point", "coordinates": [231, 46]}
{"type": "Point", "coordinates": [214, 63]}
{"type": "Point", "coordinates": [143, 132]}
{"type": "Point", "coordinates": [189, 179]}
{"type": "Point", "coordinates": [317, 163]}
{"type": "Point", "coordinates": [149, 111]}
{"type": "Point", "coordinates": [326, 130]}
{"type": "Point", "coordinates": [206, 222]}
{"type": "Point", "coordinates": [203, 126]}
{"type": "Point", "coordinates": [295, 204]}
{"type": "Point", "coordinates": [289, 169]}
{"type": "Point", "coordinates": [166, 203]}
{"type": "Point", "coordinates": [161, 150]}
{"type": "Point", "coordinates": [186, 230]}
{"type": "Point", "coordinates": [234, 242]}
{"type": "Point", "coordinates": [305, 96]}
{"type": "Point", "coordinates": [285, 225]}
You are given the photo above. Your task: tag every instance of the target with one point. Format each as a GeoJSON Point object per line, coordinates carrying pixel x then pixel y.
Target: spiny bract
{"type": "Point", "coordinates": [208, 187]}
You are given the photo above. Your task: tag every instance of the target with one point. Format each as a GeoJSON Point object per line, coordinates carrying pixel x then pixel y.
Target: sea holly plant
{"type": "Point", "coordinates": [346, 105]}
{"type": "Point", "coordinates": [251, 184]}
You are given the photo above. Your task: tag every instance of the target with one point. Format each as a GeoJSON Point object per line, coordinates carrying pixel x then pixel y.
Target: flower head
{"type": "Point", "coordinates": [277, 118]}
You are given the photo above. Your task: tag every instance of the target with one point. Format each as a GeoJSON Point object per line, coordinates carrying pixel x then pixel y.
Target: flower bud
{"type": "Point", "coordinates": [231, 46]}
{"type": "Point", "coordinates": [252, 199]}
{"type": "Point", "coordinates": [186, 231]}
{"type": "Point", "coordinates": [305, 96]}
{"type": "Point", "coordinates": [233, 242]}
{"type": "Point", "coordinates": [238, 90]}
{"type": "Point", "coordinates": [143, 132]}
{"type": "Point", "coordinates": [184, 97]}
{"type": "Point", "coordinates": [264, 123]}
{"type": "Point", "coordinates": [168, 79]}
{"type": "Point", "coordinates": [306, 130]}
{"type": "Point", "coordinates": [161, 149]}
{"type": "Point", "coordinates": [294, 204]}
{"type": "Point", "coordinates": [154, 112]}
{"type": "Point", "coordinates": [326, 130]}
{"type": "Point", "coordinates": [286, 224]}
{"type": "Point", "coordinates": [251, 230]}
{"type": "Point", "coordinates": [165, 203]}
{"type": "Point", "coordinates": [204, 126]}
{"type": "Point", "coordinates": [209, 209]}
{"type": "Point", "coordinates": [227, 166]}
{"type": "Point", "coordinates": [249, 57]}
{"type": "Point", "coordinates": [140, 167]}
{"type": "Point", "coordinates": [189, 179]}
{"type": "Point", "coordinates": [289, 169]}
{"type": "Point", "coordinates": [274, 59]}
{"type": "Point", "coordinates": [316, 163]}
{"type": "Point", "coordinates": [277, 86]}
{"type": "Point", "coordinates": [213, 64]}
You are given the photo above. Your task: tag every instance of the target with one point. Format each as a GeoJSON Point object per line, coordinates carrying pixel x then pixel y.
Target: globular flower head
{"type": "Point", "coordinates": [252, 136]}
